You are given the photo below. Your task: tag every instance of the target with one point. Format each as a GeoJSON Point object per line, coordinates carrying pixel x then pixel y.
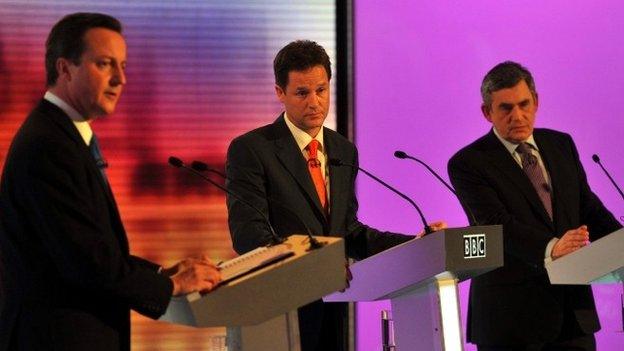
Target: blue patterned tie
{"type": "Point", "coordinates": [532, 169]}
{"type": "Point", "coordinates": [101, 163]}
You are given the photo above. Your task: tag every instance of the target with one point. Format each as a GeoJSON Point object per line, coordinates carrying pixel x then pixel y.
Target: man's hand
{"type": "Point", "coordinates": [348, 276]}
{"type": "Point", "coordinates": [571, 241]}
{"type": "Point", "coordinates": [193, 274]}
{"type": "Point", "coordinates": [435, 226]}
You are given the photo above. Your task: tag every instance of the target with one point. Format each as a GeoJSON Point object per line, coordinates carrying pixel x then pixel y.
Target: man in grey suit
{"type": "Point", "coordinates": [69, 280]}
{"type": "Point", "coordinates": [532, 182]}
{"type": "Point", "coordinates": [283, 168]}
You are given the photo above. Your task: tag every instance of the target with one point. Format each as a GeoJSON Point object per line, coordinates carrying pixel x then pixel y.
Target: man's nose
{"type": "Point", "coordinates": [119, 76]}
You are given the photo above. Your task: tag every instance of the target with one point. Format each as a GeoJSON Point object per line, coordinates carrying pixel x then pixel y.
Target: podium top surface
{"type": "Point", "coordinates": [269, 291]}
{"type": "Point", "coordinates": [458, 252]}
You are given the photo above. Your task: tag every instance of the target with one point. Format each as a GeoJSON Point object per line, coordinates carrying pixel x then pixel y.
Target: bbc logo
{"type": "Point", "coordinates": [474, 246]}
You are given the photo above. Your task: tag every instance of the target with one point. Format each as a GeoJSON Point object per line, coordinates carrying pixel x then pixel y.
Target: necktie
{"type": "Point", "coordinates": [314, 167]}
{"type": "Point", "coordinates": [101, 163]}
{"type": "Point", "coordinates": [532, 169]}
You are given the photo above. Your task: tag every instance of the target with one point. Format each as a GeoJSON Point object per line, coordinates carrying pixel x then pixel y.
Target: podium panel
{"type": "Point", "coordinates": [260, 308]}
{"type": "Point", "coordinates": [420, 277]}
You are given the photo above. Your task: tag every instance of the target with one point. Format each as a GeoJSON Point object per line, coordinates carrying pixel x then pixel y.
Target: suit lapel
{"type": "Point", "coordinates": [502, 159]}
{"type": "Point", "coordinates": [288, 153]}
{"type": "Point", "coordinates": [64, 122]}
{"type": "Point", "coordinates": [339, 183]}
{"type": "Point", "coordinates": [556, 170]}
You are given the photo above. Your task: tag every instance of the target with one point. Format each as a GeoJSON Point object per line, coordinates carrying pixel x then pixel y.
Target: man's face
{"type": "Point", "coordinates": [306, 98]}
{"type": "Point", "coordinates": [512, 112]}
{"type": "Point", "coordinates": [94, 86]}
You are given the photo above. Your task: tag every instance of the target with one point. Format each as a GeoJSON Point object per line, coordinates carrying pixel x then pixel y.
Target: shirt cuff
{"type": "Point", "coordinates": [549, 248]}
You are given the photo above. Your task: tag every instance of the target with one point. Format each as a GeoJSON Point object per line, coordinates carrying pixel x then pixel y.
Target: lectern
{"type": "Point", "coordinates": [599, 262]}
{"type": "Point", "coordinates": [420, 278]}
{"type": "Point", "coordinates": [260, 308]}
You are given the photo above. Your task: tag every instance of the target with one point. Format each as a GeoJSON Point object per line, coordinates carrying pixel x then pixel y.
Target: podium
{"type": "Point", "coordinates": [600, 262]}
{"type": "Point", "coordinates": [420, 278]}
{"type": "Point", "coordinates": [259, 309]}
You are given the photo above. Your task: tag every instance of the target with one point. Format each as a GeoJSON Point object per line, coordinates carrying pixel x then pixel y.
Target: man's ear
{"type": "Point", "coordinates": [280, 93]}
{"type": "Point", "coordinates": [535, 97]}
{"type": "Point", "coordinates": [486, 112]}
{"type": "Point", "coordinates": [62, 67]}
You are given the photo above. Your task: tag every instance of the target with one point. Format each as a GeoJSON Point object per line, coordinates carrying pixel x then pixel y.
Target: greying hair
{"type": "Point", "coordinates": [505, 75]}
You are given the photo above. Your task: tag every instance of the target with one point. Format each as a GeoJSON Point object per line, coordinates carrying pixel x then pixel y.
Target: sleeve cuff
{"type": "Point", "coordinates": [549, 248]}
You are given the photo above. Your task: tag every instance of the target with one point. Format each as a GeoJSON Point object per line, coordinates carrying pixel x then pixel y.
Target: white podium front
{"type": "Point", "coordinates": [420, 277]}
{"type": "Point", "coordinates": [260, 308]}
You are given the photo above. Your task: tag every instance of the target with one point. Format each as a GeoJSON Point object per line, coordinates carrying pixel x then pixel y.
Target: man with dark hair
{"type": "Point", "coordinates": [532, 182]}
{"type": "Point", "coordinates": [64, 248]}
{"type": "Point", "coordinates": [282, 168]}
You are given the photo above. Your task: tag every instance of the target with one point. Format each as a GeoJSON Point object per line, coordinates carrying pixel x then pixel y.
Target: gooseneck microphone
{"type": "Point", "coordinates": [178, 163]}
{"type": "Point", "coordinates": [403, 155]}
{"type": "Point", "coordinates": [314, 244]}
{"type": "Point", "coordinates": [339, 163]}
{"type": "Point", "coordinates": [597, 160]}
{"type": "Point", "coordinates": [203, 167]}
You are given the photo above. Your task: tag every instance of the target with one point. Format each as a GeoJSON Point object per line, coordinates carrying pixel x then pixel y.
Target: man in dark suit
{"type": "Point", "coordinates": [64, 249]}
{"type": "Point", "coordinates": [282, 169]}
{"type": "Point", "coordinates": [532, 182]}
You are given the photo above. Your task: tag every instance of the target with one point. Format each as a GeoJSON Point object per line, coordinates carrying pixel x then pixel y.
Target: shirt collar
{"type": "Point", "coordinates": [511, 147]}
{"type": "Point", "coordinates": [83, 126]}
{"type": "Point", "coordinates": [302, 138]}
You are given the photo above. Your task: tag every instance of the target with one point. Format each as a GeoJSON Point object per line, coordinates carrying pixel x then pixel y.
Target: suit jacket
{"type": "Point", "coordinates": [266, 168]}
{"type": "Point", "coordinates": [516, 304]}
{"type": "Point", "coordinates": [77, 280]}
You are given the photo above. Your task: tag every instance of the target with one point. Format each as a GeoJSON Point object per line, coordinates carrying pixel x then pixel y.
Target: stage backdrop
{"type": "Point", "coordinates": [199, 74]}
{"type": "Point", "coordinates": [418, 68]}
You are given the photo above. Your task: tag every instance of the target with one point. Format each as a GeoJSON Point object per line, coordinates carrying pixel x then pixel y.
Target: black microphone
{"type": "Point", "coordinates": [339, 163]}
{"type": "Point", "coordinates": [597, 160]}
{"type": "Point", "coordinates": [203, 167]}
{"type": "Point", "coordinates": [403, 155]}
{"type": "Point", "coordinates": [314, 244]}
{"type": "Point", "coordinates": [176, 162]}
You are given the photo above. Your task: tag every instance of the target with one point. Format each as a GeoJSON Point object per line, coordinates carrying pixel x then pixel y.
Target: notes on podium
{"type": "Point", "coordinates": [267, 292]}
{"type": "Point", "coordinates": [600, 262]}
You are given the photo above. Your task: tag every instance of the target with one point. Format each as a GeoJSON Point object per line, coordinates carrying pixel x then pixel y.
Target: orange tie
{"type": "Point", "coordinates": [314, 166]}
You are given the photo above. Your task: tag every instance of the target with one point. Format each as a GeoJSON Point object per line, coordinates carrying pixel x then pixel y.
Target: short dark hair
{"type": "Point", "coordinates": [66, 39]}
{"type": "Point", "coordinates": [299, 55]}
{"type": "Point", "coordinates": [505, 75]}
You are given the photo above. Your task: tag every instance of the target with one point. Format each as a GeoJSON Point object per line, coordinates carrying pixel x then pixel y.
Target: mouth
{"type": "Point", "coordinates": [111, 95]}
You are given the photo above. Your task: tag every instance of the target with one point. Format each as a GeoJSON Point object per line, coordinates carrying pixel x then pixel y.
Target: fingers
{"type": "Point", "coordinates": [438, 225]}
{"type": "Point", "coordinates": [571, 241]}
{"type": "Point", "coordinates": [199, 276]}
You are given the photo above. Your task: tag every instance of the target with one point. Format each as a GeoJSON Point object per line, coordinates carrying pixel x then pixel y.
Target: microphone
{"type": "Point", "coordinates": [314, 244]}
{"type": "Point", "coordinates": [597, 160]}
{"type": "Point", "coordinates": [339, 163]}
{"type": "Point", "coordinates": [403, 155]}
{"type": "Point", "coordinates": [178, 163]}
{"type": "Point", "coordinates": [203, 167]}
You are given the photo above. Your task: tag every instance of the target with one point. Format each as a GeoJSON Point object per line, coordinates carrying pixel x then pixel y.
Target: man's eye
{"type": "Point", "coordinates": [102, 64]}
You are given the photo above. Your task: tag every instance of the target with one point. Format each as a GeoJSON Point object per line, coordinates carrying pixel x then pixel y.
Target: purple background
{"type": "Point", "coordinates": [418, 68]}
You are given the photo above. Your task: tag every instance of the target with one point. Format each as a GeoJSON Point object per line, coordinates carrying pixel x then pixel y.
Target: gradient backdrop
{"type": "Point", "coordinates": [199, 73]}
{"type": "Point", "coordinates": [418, 68]}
